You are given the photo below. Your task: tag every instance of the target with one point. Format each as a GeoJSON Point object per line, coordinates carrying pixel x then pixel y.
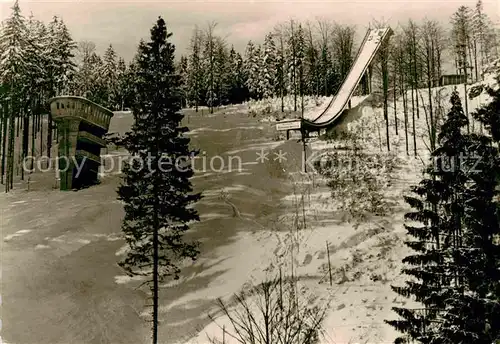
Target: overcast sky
{"type": "Point", "coordinates": [124, 23]}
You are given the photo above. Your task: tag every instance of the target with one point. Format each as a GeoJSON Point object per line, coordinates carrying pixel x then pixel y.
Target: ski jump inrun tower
{"type": "Point", "coordinates": [81, 125]}
{"type": "Point", "coordinates": [314, 121]}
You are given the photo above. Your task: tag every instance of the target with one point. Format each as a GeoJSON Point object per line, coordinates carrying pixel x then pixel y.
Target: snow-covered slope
{"type": "Point", "coordinates": [366, 257]}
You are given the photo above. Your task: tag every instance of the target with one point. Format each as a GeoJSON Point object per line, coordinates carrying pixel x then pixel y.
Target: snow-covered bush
{"type": "Point", "coordinates": [268, 106]}
{"type": "Point", "coordinates": [358, 178]}
{"type": "Point", "coordinates": [358, 181]}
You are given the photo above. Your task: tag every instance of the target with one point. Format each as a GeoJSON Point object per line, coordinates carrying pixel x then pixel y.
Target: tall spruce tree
{"type": "Point", "coordinates": [237, 89]}
{"type": "Point", "coordinates": [110, 75]}
{"type": "Point", "coordinates": [252, 70]}
{"type": "Point", "coordinates": [221, 72]}
{"type": "Point", "coordinates": [311, 64]}
{"type": "Point", "coordinates": [480, 257]}
{"type": "Point", "coordinates": [157, 192]}
{"type": "Point", "coordinates": [195, 74]}
{"type": "Point", "coordinates": [184, 72]}
{"type": "Point", "coordinates": [121, 84]}
{"type": "Point", "coordinates": [438, 204]}
{"type": "Point", "coordinates": [471, 310]}
{"type": "Point", "coordinates": [63, 68]}
{"type": "Point", "coordinates": [95, 81]}
{"type": "Point", "coordinates": [268, 71]}
{"type": "Point", "coordinates": [14, 65]}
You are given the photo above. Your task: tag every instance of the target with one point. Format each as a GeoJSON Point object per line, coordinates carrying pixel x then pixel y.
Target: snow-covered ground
{"type": "Point", "coordinates": [269, 110]}
{"type": "Point", "coordinates": [365, 257]}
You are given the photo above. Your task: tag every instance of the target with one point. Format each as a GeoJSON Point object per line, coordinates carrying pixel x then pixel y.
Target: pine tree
{"type": "Point", "coordinates": [158, 194]}
{"type": "Point", "coordinates": [109, 73]}
{"type": "Point", "coordinates": [35, 82]}
{"type": "Point", "coordinates": [252, 70]}
{"type": "Point", "coordinates": [268, 77]}
{"type": "Point", "coordinates": [209, 65]}
{"type": "Point", "coordinates": [61, 70]}
{"type": "Point", "coordinates": [462, 38]}
{"type": "Point", "coordinates": [281, 68]}
{"type": "Point", "coordinates": [129, 89]}
{"type": "Point", "coordinates": [184, 73]}
{"type": "Point", "coordinates": [471, 311]}
{"type": "Point", "coordinates": [13, 44]}
{"type": "Point", "coordinates": [221, 72]}
{"type": "Point", "coordinates": [14, 65]}
{"type": "Point", "coordinates": [343, 42]}
{"type": "Point", "coordinates": [439, 208]}
{"type": "Point", "coordinates": [121, 84]}
{"type": "Point", "coordinates": [300, 59]}
{"type": "Point", "coordinates": [480, 29]}
{"type": "Point", "coordinates": [481, 258]}
{"type": "Point", "coordinates": [195, 77]}
{"type": "Point", "coordinates": [311, 65]}
{"type": "Point", "coordinates": [85, 71]}
{"type": "Point", "coordinates": [237, 88]}
{"type": "Point", "coordinates": [325, 70]}
{"type": "Point", "coordinates": [63, 67]}
{"type": "Point", "coordinates": [292, 73]}
{"type": "Point", "coordinates": [97, 84]}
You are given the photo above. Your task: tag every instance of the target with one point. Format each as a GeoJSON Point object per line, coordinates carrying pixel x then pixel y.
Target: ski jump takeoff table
{"type": "Point", "coordinates": [315, 121]}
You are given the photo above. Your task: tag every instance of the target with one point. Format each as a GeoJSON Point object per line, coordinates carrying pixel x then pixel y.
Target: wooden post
{"type": "Point", "coordinates": [369, 79]}
{"type": "Point", "coordinates": [303, 132]}
{"type": "Point", "coordinates": [329, 264]}
{"type": "Point", "coordinates": [281, 291]}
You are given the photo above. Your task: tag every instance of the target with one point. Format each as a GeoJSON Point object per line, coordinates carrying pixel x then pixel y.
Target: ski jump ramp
{"type": "Point", "coordinates": [371, 44]}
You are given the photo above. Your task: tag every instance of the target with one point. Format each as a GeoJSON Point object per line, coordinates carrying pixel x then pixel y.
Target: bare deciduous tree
{"type": "Point", "coordinates": [343, 42]}
{"type": "Point", "coordinates": [270, 314]}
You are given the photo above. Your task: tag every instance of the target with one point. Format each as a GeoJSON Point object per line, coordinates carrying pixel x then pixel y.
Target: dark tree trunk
{"type": "Point", "coordinates": [10, 155]}
{"type": "Point", "coordinates": [26, 128]}
{"type": "Point", "coordinates": [34, 113]}
{"type": "Point", "coordinates": [413, 120]}
{"type": "Point", "coordinates": [4, 138]}
{"type": "Point", "coordinates": [49, 133]}
{"type": "Point", "coordinates": [415, 74]}
{"type": "Point", "coordinates": [2, 118]}
{"type": "Point", "coordinates": [18, 123]}
{"type": "Point", "coordinates": [155, 277]}
{"type": "Point", "coordinates": [405, 111]}
{"type": "Point", "coordinates": [431, 112]}
{"type": "Point", "coordinates": [385, 86]}
{"type": "Point", "coordinates": [40, 120]}
{"type": "Point", "coordinates": [395, 77]}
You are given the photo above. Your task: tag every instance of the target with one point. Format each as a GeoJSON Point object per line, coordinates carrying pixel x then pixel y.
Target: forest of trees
{"type": "Point", "coordinates": [41, 60]}
{"type": "Point", "coordinates": [453, 270]}
{"type": "Point", "coordinates": [454, 233]}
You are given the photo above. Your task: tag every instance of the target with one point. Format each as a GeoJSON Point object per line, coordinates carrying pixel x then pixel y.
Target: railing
{"type": "Point", "coordinates": [79, 107]}
{"type": "Point", "coordinates": [88, 155]}
{"type": "Point", "coordinates": [90, 137]}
